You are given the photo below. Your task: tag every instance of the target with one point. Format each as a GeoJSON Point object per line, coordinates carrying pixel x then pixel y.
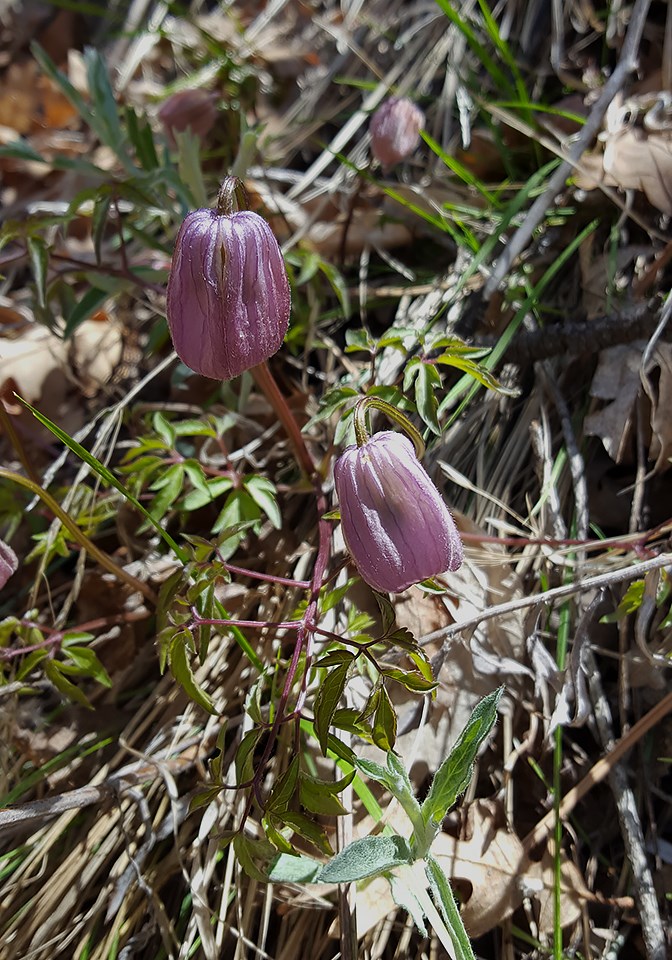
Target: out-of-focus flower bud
{"type": "Point", "coordinates": [395, 130]}
{"type": "Point", "coordinates": [228, 298]}
{"type": "Point", "coordinates": [395, 523]}
{"type": "Point", "coordinates": [8, 563]}
{"type": "Point", "coordinates": [188, 109]}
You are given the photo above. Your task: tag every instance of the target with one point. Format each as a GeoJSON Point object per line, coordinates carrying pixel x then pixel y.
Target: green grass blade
{"type": "Point", "coordinates": [466, 384]}
{"type": "Point", "coordinates": [500, 79]}
{"type": "Point", "coordinates": [106, 475]}
{"type": "Point", "coordinates": [459, 169]}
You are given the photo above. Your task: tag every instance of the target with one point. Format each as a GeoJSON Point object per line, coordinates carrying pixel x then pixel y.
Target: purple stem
{"type": "Point", "coordinates": [306, 626]}
{"type": "Point", "coordinates": [279, 624]}
{"type": "Point", "coordinates": [269, 578]}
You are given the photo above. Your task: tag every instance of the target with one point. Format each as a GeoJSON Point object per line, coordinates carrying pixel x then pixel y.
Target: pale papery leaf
{"type": "Point", "coordinates": [495, 871]}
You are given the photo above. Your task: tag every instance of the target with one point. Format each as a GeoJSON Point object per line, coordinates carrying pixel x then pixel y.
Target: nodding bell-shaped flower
{"type": "Point", "coordinates": [8, 563]}
{"type": "Point", "coordinates": [188, 110]}
{"type": "Point", "coordinates": [395, 524]}
{"type": "Point", "coordinates": [228, 297]}
{"type": "Point", "coordinates": [395, 130]}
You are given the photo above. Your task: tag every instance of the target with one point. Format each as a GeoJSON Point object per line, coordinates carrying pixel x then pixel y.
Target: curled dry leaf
{"type": "Point", "coordinates": [634, 157]}
{"type": "Point", "coordinates": [618, 380]}
{"type": "Point", "coordinates": [40, 366]}
{"type": "Point", "coordinates": [659, 392]}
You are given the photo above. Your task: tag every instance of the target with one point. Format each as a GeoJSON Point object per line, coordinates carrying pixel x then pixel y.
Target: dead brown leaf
{"type": "Point", "coordinates": [488, 865]}
{"type": "Point", "coordinates": [637, 152]}
{"type": "Point", "coordinates": [659, 392]}
{"type": "Point", "coordinates": [42, 368]}
{"type": "Point", "coordinates": [617, 380]}
{"type": "Point", "coordinates": [637, 160]}
{"type": "Point", "coordinates": [30, 102]}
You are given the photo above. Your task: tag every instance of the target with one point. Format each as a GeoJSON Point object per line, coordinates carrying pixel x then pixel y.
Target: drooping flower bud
{"type": "Point", "coordinates": [228, 297]}
{"type": "Point", "coordinates": [188, 109]}
{"type": "Point", "coordinates": [8, 563]}
{"type": "Point", "coordinates": [395, 130]}
{"type": "Point", "coordinates": [395, 523]}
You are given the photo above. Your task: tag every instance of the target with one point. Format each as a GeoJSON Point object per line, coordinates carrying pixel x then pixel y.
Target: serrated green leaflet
{"type": "Point", "coordinates": [102, 471]}
{"type": "Point", "coordinates": [327, 700]}
{"type": "Point", "coordinates": [181, 670]}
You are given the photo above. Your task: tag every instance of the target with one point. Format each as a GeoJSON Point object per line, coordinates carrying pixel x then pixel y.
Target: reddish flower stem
{"type": "Point", "coordinates": [266, 383]}
{"type": "Point", "coordinates": [200, 621]}
{"type": "Point", "coordinates": [305, 631]}
{"type": "Point", "coordinates": [306, 626]}
{"type": "Point", "coordinates": [55, 636]}
{"type": "Point", "coordinates": [267, 577]}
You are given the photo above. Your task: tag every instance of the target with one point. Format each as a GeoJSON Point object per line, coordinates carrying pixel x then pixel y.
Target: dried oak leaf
{"type": "Point", "coordinates": [659, 392]}
{"type": "Point", "coordinates": [492, 872]}
{"type": "Point", "coordinates": [618, 379]}
{"type": "Point", "coordinates": [633, 159]}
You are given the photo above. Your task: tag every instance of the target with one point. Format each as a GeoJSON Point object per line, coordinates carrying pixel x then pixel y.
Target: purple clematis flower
{"type": "Point", "coordinates": [395, 523]}
{"type": "Point", "coordinates": [228, 295]}
{"type": "Point", "coordinates": [188, 110]}
{"type": "Point", "coordinates": [395, 130]}
{"type": "Point", "coordinates": [8, 563]}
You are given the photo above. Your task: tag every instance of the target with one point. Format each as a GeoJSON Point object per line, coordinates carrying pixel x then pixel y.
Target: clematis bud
{"type": "Point", "coordinates": [188, 109]}
{"type": "Point", "coordinates": [395, 130]}
{"type": "Point", "coordinates": [228, 295]}
{"type": "Point", "coordinates": [395, 523]}
{"type": "Point", "coordinates": [8, 563]}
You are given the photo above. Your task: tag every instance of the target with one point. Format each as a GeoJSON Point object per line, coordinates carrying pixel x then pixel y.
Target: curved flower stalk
{"type": "Point", "coordinates": [228, 298]}
{"type": "Point", "coordinates": [396, 525]}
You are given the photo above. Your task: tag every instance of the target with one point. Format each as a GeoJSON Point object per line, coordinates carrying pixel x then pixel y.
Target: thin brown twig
{"type": "Point", "coordinates": [599, 771]}
{"type": "Point", "coordinates": [631, 827]}
{"type": "Point", "coordinates": [548, 596]}
{"type": "Point", "coordinates": [15, 440]}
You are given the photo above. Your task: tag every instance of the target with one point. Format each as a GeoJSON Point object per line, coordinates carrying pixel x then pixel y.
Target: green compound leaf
{"type": "Point", "coordinates": [366, 858]}
{"type": "Point", "coordinates": [309, 830]}
{"type": "Point", "coordinates": [284, 789]}
{"type": "Point", "coordinates": [410, 679]}
{"type": "Point", "coordinates": [263, 493]}
{"type": "Point", "coordinates": [321, 796]}
{"type": "Point", "coordinates": [427, 382]}
{"type": "Point", "coordinates": [181, 670]}
{"type": "Point", "coordinates": [54, 672]}
{"type": "Point", "coordinates": [384, 722]}
{"type": "Point", "coordinates": [245, 755]}
{"type": "Point", "coordinates": [272, 830]}
{"type": "Point", "coordinates": [248, 851]}
{"type": "Point", "coordinates": [327, 700]}
{"type": "Point", "coordinates": [106, 475]}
